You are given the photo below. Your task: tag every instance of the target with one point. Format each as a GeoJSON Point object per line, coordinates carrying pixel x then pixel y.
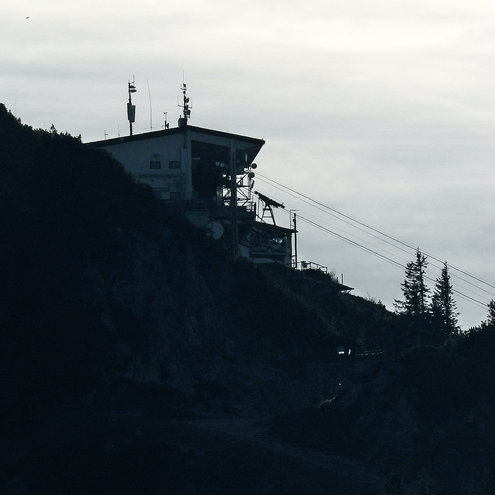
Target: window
{"type": "Point", "coordinates": [173, 164]}
{"type": "Point", "coordinates": [175, 195]}
{"type": "Point", "coordinates": [155, 164]}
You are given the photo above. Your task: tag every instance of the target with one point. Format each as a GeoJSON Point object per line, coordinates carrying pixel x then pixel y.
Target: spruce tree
{"type": "Point", "coordinates": [490, 321]}
{"type": "Point", "coordinates": [414, 289]}
{"type": "Point", "coordinates": [415, 305]}
{"type": "Point", "coordinates": [443, 306]}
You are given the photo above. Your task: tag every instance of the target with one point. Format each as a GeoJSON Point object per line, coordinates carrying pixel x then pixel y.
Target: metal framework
{"type": "Point", "coordinates": [131, 109]}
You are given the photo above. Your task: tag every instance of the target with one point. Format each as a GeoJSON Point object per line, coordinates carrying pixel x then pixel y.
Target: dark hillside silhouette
{"type": "Point", "coordinates": [136, 357]}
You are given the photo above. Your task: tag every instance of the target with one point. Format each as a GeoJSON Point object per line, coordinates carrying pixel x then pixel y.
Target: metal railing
{"type": "Point", "coordinates": [310, 265]}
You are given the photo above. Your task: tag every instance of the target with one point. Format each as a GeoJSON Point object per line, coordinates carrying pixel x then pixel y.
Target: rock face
{"type": "Point", "coordinates": [137, 358]}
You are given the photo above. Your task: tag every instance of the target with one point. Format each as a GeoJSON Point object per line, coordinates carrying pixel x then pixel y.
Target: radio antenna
{"type": "Point", "coordinates": [131, 109]}
{"type": "Point", "coordinates": [186, 107]}
{"type": "Point", "coordinates": [151, 111]}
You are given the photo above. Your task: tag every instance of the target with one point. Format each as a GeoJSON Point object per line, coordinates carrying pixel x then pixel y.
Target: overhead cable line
{"type": "Point", "coordinates": [357, 244]}
{"type": "Point", "coordinates": [287, 188]}
{"type": "Point", "coordinates": [369, 249]}
{"type": "Point", "coordinates": [439, 267]}
{"type": "Point", "coordinates": [311, 203]}
{"type": "Point", "coordinates": [459, 293]}
{"type": "Point", "coordinates": [370, 245]}
{"type": "Point", "coordinates": [384, 258]}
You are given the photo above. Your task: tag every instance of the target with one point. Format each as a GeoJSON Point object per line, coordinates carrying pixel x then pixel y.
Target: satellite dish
{"type": "Point", "coordinates": [253, 165]}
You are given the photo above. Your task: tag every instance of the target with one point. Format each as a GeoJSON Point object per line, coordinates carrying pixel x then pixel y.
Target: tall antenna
{"type": "Point", "coordinates": [295, 243]}
{"type": "Point", "coordinates": [131, 109]}
{"type": "Point", "coordinates": [186, 108]}
{"type": "Point", "coordinates": [151, 111]}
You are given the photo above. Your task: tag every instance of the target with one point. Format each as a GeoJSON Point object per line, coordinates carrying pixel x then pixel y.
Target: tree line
{"type": "Point", "coordinates": [433, 316]}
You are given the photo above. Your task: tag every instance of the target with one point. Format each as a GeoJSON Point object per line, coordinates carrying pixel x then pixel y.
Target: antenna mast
{"type": "Point", "coordinates": [131, 109]}
{"type": "Point", "coordinates": [151, 111]}
{"type": "Point", "coordinates": [295, 242]}
{"type": "Point", "coordinates": [186, 108]}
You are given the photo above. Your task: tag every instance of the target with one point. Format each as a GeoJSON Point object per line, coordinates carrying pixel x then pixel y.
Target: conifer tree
{"type": "Point", "coordinates": [490, 321]}
{"type": "Point", "coordinates": [443, 306]}
{"type": "Point", "coordinates": [415, 305]}
{"type": "Point", "coordinates": [414, 289]}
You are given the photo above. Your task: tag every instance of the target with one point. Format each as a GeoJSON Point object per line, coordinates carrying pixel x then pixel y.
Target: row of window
{"type": "Point", "coordinates": [157, 164]}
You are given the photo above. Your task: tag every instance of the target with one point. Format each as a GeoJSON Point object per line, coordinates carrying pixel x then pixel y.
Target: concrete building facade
{"type": "Point", "coordinates": [208, 175]}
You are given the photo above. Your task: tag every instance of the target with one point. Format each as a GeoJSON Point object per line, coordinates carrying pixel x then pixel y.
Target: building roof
{"type": "Point", "coordinates": [274, 228]}
{"type": "Point", "coordinates": [175, 130]}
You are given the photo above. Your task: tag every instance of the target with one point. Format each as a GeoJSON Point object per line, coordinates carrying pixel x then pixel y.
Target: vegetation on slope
{"type": "Point", "coordinates": [110, 303]}
{"type": "Point", "coordinates": [122, 327]}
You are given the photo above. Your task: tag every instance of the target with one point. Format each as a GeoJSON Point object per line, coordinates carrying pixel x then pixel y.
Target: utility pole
{"type": "Point", "coordinates": [233, 203]}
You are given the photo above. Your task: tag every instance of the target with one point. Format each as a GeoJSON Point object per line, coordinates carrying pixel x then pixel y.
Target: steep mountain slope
{"type": "Point", "coordinates": [137, 358]}
{"type": "Point", "coordinates": [110, 303]}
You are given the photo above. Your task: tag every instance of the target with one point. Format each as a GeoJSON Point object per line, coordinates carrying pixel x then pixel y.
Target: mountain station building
{"type": "Point", "coordinates": [209, 176]}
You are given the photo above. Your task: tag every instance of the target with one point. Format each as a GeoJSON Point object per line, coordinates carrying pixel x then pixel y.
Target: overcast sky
{"type": "Point", "coordinates": [382, 110]}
